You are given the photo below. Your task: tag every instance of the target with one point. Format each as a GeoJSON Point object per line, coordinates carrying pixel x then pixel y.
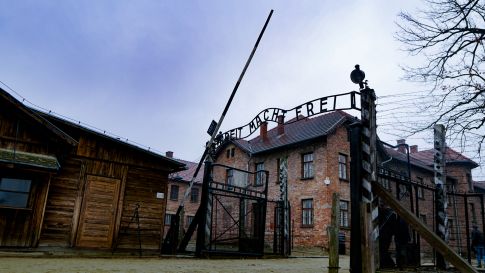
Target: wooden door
{"type": "Point", "coordinates": [98, 212]}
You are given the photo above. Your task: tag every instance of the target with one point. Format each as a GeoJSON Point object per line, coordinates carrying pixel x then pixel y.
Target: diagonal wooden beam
{"type": "Point", "coordinates": [434, 240]}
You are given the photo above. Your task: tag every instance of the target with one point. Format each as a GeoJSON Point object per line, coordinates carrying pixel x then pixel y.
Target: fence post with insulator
{"type": "Point", "coordinates": [368, 161]}
{"type": "Point", "coordinates": [440, 183]}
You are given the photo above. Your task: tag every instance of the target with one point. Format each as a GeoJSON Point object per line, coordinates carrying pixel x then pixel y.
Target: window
{"type": "Point", "coordinates": [230, 152]}
{"type": "Point", "coordinates": [260, 175]}
{"type": "Point", "coordinates": [194, 195]}
{"type": "Point", "coordinates": [469, 182]}
{"type": "Point", "coordinates": [420, 193]}
{"type": "Point", "coordinates": [174, 192]}
{"type": "Point", "coordinates": [342, 166]}
{"type": "Point", "coordinates": [229, 178]}
{"type": "Point", "coordinates": [307, 212]}
{"type": "Point", "coordinates": [420, 190]}
{"type": "Point", "coordinates": [385, 183]}
{"type": "Point", "coordinates": [168, 218]}
{"type": "Point", "coordinates": [423, 218]}
{"type": "Point", "coordinates": [344, 213]}
{"type": "Point", "coordinates": [307, 165]}
{"type": "Point", "coordinates": [278, 172]}
{"type": "Point", "coordinates": [15, 192]}
{"type": "Point", "coordinates": [474, 213]}
{"type": "Point", "coordinates": [190, 218]}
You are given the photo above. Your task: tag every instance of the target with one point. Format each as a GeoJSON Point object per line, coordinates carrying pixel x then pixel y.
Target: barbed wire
{"type": "Point", "coordinates": [46, 111]}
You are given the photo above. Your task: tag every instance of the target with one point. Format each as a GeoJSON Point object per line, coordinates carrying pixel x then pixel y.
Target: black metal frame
{"type": "Point", "coordinates": [461, 220]}
{"type": "Point", "coordinates": [280, 245]}
{"type": "Point", "coordinates": [209, 236]}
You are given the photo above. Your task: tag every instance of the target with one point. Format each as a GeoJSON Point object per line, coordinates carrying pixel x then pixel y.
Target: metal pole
{"type": "Point", "coordinates": [208, 146]}
{"type": "Point", "coordinates": [204, 221]}
{"type": "Point", "coordinates": [483, 213]}
{"type": "Point", "coordinates": [467, 227]}
{"type": "Point", "coordinates": [226, 108]}
{"type": "Point", "coordinates": [418, 237]}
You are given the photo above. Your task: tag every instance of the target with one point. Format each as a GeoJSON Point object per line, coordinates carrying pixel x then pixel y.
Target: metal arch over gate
{"type": "Point", "coordinates": [344, 101]}
{"type": "Point", "coordinates": [234, 235]}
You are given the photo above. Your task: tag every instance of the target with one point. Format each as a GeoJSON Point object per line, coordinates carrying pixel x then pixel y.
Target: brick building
{"type": "Point", "coordinates": [177, 185]}
{"type": "Point", "coordinates": [317, 151]}
{"type": "Point", "coordinates": [318, 155]}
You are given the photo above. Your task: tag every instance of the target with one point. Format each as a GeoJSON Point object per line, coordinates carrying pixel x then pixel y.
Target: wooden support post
{"type": "Point", "coordinates": [369, 175]}
{"type": "Point", "coordinates": [333, 232]}
{"type": "Point", "coordinates": [367, 245]}
{"type": "Point", "coordinates": [355, 197]}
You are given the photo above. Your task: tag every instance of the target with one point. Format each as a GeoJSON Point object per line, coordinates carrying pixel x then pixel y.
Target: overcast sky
{"type": "Point", "coordinates": [157, 72]}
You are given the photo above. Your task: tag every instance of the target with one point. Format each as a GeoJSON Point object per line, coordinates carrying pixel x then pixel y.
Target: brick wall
{"type": "Point", "coordinates": [325, 164]}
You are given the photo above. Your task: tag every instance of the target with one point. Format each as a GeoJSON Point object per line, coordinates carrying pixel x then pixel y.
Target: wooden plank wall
{"type": "Point", "coordinates": [22, 227]}
{"type": "Point", "coordinates": [58, 216]}
{"type": "Point", "coordinates": [22, 135]}
{"type": "Point", "coordinates": [142, 186]}
{"type": "Point", "coordinates": [141, 175]}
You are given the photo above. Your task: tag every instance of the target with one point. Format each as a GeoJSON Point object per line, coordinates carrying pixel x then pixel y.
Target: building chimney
{"type": "Point", "coordinates": [169, 154]}
{"type": "Point", "coordinates": [401, 148]}
{"type": "Point", "coordinates": [281, 125]}
{"type": "Point", "coordinates": [413, 148]}
{"type": "Point", "coordinates": [263, 131]}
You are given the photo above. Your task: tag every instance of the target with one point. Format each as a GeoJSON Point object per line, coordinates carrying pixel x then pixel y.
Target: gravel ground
{"type": "Point", "coordinates": [149, 265]}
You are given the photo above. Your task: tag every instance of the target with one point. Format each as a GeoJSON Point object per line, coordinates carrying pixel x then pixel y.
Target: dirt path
{"type": "Point", "coordinates": [152, 265]}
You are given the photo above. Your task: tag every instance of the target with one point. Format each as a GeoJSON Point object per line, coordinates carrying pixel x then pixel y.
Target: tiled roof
{"type": "Point", "coordinates": [403, 157]}
{"type": "Point", "coordinates": [451, 156]}
{"type": "Point", "coordinates": [424, 159]}
{"type": "Point", "coordinates": [295, 132]}
{"type": "Point", "coordinates": [186, 175]}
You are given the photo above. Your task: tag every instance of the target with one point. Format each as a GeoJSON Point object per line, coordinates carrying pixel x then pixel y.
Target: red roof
{"type": "Point", "coordinates": [403, 157]}
{"type": "Point", "coordinates": [451, 156]}
{"type": "Point", "coordinates": [295, 132]}
{"type": "Point", "coordinates": [186, 175]}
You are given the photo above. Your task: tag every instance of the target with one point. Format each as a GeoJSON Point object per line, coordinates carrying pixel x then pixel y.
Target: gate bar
{"type": "Point", "coordinates": [434, 240]}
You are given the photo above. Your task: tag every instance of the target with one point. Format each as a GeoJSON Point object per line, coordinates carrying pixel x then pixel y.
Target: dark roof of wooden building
{"type": "Point", "coordinates": [52, 124]}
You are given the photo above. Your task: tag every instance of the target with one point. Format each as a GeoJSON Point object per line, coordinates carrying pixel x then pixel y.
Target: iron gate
{"type": "Point", "coordinates": [464, 210]}
{"type": "Point", "coordinates": [235, 220]}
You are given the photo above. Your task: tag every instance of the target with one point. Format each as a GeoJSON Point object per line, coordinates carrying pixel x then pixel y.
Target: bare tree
{"type": "Point", "coordinates": [449, 35]}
